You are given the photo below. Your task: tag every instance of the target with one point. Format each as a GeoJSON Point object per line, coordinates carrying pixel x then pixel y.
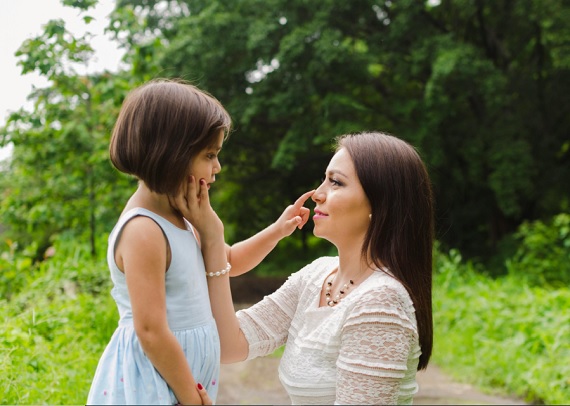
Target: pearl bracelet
{"type": "Point", "coordinates": [222, 272]}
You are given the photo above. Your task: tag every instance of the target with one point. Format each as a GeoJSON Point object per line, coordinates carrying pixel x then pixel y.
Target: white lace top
{"type": "Point", "coordinates": [365, 350]}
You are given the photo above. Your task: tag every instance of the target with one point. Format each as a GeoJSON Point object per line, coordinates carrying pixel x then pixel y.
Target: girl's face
{"type": "Point", "coordinates": [342, 210]}
{"type": "Point", "coordinates": [205, 165]}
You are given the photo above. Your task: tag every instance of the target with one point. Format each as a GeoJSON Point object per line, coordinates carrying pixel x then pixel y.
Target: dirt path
{"type": "Point", "coordinates": [255, 382]}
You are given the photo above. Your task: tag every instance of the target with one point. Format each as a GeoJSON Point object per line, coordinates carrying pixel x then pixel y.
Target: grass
{"type": "Point", "coordinates": [499, 334]}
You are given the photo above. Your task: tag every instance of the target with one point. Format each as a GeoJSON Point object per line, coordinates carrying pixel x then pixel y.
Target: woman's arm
{"type": "Point", "coordinates": [142, 256]}
{"type": "Point", "coordinates": [376, 342]}
{"type": "Point", "coordinates": [247, 254]}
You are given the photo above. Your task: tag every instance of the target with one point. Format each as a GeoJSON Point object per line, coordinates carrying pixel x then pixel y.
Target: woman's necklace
{"type": "Point", "coordinates": [336, 300]}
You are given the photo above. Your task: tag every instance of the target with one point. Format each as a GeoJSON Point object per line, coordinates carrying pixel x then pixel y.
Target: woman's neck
{"type": "Point", "coordinates": [352, 264]}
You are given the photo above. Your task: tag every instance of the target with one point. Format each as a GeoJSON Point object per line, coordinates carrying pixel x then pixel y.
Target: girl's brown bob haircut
{"type": "Point", "coordinates": [401, 231]}
{"type": "Point", "coordinates": [162, 125]}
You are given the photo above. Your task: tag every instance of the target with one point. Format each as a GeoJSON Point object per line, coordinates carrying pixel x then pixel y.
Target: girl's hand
{"type": "Point", "coordinates": [204, 395]}
{"type": "Point", "coordinates": [294, 216]}
{"type": "Point", "coordinates": [195, 206]}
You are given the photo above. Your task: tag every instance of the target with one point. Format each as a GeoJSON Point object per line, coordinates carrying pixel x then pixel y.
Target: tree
{"type": "Point", "coordinates": [475, 85]}
{"type": "Point", "coordinates": [471, 83]}
{"type": "Point", "coordinates": [59, 177]}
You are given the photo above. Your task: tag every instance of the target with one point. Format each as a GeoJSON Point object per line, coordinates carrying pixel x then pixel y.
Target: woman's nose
{"type": "Point", "coordinates": [217, 167]}
{"type": "Point", "coordinates": [319, 195]}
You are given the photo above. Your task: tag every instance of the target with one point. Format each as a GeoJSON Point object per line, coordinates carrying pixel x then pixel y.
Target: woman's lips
{"type": "Point", "coordinates": [319, 214]}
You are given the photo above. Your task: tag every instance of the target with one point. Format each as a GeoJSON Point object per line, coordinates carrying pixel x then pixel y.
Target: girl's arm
{"type": "Point", "coordinates": [195, 206]}
{"type": "Point", "coordinates": [142, 255]}
{"type": "Point", "coordinates": [259, 330]}
{"type": "Point", "coordinates": [247, 254]}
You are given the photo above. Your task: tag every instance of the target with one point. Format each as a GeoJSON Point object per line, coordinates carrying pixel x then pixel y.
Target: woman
{"type": "Point", "coordinates": [358, 326]}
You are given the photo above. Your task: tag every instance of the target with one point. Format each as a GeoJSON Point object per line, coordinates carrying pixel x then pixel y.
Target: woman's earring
{"type": "Point", "coordinates": [370, 216]}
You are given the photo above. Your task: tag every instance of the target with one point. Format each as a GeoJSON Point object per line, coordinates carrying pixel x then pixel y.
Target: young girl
{"type": "Point", "coordinates": [168, 135]}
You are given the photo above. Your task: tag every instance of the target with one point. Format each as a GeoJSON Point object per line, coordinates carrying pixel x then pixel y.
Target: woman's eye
{"type": "Point", "coordinates": [332, 181]}
{"type": "Point", "coordinates": [335, 182]}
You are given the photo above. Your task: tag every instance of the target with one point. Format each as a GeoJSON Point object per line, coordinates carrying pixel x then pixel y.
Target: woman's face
{"type": "Point", "coordinates": [342, 210]}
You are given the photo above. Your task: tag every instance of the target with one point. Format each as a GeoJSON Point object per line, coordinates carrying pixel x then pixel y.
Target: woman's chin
{"type": "Point", "coordinates": [318, 234]}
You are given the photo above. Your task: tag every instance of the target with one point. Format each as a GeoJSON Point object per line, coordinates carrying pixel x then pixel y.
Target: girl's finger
{"type": "Point", "coordinates": [301, 200]}
{"type": "Point", "coordinates": [178, 201]}
{"type": "Point", "coordinates": [203, 394]}
{"type": "Point", "coordinates": [190, 180]}
{"type": "Point", "coordinates": [305, 212]}
{"type": "Point", "coordinates": [204, 197]}
{"type": "Point", "coordinates": [191, 194]}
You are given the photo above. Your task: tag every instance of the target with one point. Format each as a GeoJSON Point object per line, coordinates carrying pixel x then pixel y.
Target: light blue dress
{"type": "Point", "coordinates": [125, 375]}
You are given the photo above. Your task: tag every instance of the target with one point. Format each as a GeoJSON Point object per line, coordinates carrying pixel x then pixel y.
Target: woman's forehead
{"type": "Point", "coordinates": [341, 163]}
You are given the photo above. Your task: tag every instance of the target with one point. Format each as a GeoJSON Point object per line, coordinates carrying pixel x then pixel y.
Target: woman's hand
{"type": "Point", "coordinates": [195, 206]}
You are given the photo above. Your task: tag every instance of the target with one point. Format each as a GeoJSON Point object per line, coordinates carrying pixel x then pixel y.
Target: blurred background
{"type": "Point", "coordinates": [480, 87]}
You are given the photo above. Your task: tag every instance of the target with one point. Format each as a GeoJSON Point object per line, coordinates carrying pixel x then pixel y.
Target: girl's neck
{"type": "Point", "coordinates": [155, 202]}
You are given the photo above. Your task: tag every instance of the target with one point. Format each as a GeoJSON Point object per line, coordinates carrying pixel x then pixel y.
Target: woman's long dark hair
{"type": "Point", "coordinates": [400, 236]}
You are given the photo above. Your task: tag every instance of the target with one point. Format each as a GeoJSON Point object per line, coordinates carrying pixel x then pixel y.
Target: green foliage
{"type": "Point", "coordinates": [14, 268]}
{"type": "Point", "coordinates": [477, 96]}
{"type": "Point", "coordinates": [59, 178]}
{"type": "Point", "coordinates": [293, 253]}
{"type": "Point", "coordinates": [476, 86]}
{"type": "Point", "coordinates": [56, 328]}
{"type": "Point", "coordinates": [543, 253]}
{"type": "Point", "coordinates": [474, 94]}
{"type": "Point", "coordinates": [80, 4]}
{"type": "Point", "coordinates": [501, 334]}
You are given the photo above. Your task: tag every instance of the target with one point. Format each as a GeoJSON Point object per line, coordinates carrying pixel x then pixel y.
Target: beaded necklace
{"type": "Point", "coordinates": [336, 300]}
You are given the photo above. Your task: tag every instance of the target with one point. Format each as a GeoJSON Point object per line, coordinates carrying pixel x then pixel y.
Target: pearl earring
{"type": "Point", "coordinates": [370, 216]}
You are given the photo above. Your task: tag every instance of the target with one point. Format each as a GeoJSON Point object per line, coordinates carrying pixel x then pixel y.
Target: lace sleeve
{"type": "Point", "coordinates": [375, 346]}
{"type": "Point", "coordinates": [266, 324]}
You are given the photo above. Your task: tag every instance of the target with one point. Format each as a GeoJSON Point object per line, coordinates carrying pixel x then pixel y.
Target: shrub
{"type": "Point", "coordinates": [543, 254]}
{"type": "Point", "coordinates": [501, 333]}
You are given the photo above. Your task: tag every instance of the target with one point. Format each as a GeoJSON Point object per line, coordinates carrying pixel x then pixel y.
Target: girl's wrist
{"type": "Point", "coordinates": [213, 242]}
{"type": "Point", "coordinates": [277, 232]}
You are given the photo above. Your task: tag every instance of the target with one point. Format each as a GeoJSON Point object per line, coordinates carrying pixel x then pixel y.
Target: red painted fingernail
{"type": "Point", "coordinates": [200, 387]}
{"type": "Point", "coordinates": [202, 182]}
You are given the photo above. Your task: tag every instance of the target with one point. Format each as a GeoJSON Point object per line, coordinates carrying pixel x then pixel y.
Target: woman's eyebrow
{"type": "Point", "coordinates": [336, 172]}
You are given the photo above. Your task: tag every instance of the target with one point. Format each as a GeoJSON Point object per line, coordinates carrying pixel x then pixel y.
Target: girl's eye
{"type": "Point", "coordinates": [211, 156]}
